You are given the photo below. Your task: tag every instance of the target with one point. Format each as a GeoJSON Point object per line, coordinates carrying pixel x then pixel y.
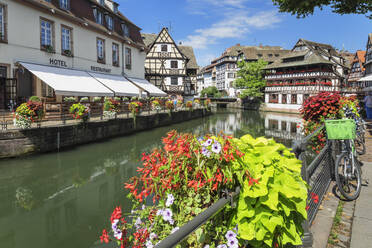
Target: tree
{"type": "Point", "coordinates": [211, 91]}
{"type": "Point", "coordinates": [250, 78]}
{"type": "Point", "coordinates": [303, 8]}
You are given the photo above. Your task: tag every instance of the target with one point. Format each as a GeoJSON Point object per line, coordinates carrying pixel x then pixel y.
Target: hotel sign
{"type": "Point", "coordinates": [100, 69]}
{"type": "Point", "coordinates": [57, 62]}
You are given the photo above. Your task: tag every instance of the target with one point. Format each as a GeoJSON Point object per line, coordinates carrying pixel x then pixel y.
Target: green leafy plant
{"type": "Point", "coordinates": [111, 107]}
{"type": "Point", "coordinates": [34, 99]}
{"type": "Point", "coordinates": [188, 174]}
{"type": "Point", "coordinates": [84, 99]}
{"type": "Point", "coordinates": [27, 113]}
{"type": "Point", "coordinates": [189, 105]}
{"type": "Point", "coordinates": [170, 106]}
{"type": "Point", "coordinates": [210, 91]}
{"type": "Point", "coordinates": [251, 78]}
{"type": "Point", "coordinates": [272, 207]}
{"type": "Point", "coordinates": [97, 99]}
{"type": "Point", "coordinates": [49, 48]}
{"type": "Point", "coordinates": [69, 99]}
{"type": "Point", "coordinates": [80, 112]}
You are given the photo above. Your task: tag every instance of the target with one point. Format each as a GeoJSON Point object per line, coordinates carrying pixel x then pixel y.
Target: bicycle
{"type": "Point", "coordinates": [360, 131]}
{"type": "Point", "coordinates": [348, 174]}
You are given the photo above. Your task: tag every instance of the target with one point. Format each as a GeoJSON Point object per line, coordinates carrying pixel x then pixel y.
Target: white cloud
{"type": "Point", "coordinates": [234, 24]}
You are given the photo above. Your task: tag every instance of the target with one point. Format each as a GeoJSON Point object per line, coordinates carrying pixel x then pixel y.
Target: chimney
{"type": "Point", "coordinates": [238, 44]}
{"type": "Point", "coordinates": [261, 45]}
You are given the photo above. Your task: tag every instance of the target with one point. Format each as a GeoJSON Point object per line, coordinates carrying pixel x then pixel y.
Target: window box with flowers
{"type": "Point", "coordinates": [67, 53]}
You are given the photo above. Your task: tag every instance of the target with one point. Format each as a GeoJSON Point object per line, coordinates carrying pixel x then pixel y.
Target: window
{"type": "Point", "coordinates": [125, 29]}
{"type": "Point", "coordinates": [174, 80]}
{"type": "Point", "coordinates": [98, 16]}
{"type": "Point", "coordinates": [64, 4]}
{"type": "Point", "coordinates": [306, 96]}
{"type": "Point", "coordinates": [174, 64]}
{"type": "Point", "coordinates": [115, 54]}
{"type": "Point", "coordinates": [46, 34]}
{"type": "Point", "coordinates": [128, 58]}
{"type": "Point", "coordinates": [100, 50]}
{"type": "Point", "coordinates": [230, 75]}
{"type": "Point", "coordinates": [2, 23]}
{"type": "Point", "coordinates": [110, 22]}
{"type": "Point", "coordinates": [273, 98]}
{"type": "Point", "coordinates": [164, 48]}
{"type": "Point", "coordinates": [270, 55]}
{"type": "Point", "coordinates": [284, 99]}
{"type": "Point", "coordinates": [66, 36]}
{"type": "Point", "coordinates": [115, 8]}
{"type": "Point", "coordinates": [102, 2]}
{"type": "Point", "coordinates": [294, 98]}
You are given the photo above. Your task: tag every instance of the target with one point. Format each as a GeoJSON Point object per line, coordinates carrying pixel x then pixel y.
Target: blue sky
{"type": "Point", "coordinates": [211, 26]}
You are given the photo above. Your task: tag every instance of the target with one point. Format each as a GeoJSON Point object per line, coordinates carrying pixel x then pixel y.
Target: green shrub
{"type": "Point", "coordinates": [35, 99]}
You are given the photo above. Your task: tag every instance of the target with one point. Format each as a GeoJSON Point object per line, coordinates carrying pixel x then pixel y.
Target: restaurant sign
{"type": "Point", "coordinates": [100, 69]}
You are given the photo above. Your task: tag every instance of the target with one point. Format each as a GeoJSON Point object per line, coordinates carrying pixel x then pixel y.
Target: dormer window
{"type": "Point", "coordinates": [125, 29]}
{"type": "Point", "coordinates": [98, 16]}
{"type": "Point", "coordinates": [115, 8]}
{"type": "Point", "coordinates": [102, 2]}
{"type": "Point", "coordinates": [110, 22]}
{"type": "Point", "coordinates": [64, 4]}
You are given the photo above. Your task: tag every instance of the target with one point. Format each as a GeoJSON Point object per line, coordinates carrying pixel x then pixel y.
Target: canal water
{"type": "Point", "coordinates": [64, 200]}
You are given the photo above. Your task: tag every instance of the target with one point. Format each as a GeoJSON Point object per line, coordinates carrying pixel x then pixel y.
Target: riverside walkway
{"type": "Point", "coordinates": [347, 224]}
{"type": "Point", "coordinates": [361, 235]}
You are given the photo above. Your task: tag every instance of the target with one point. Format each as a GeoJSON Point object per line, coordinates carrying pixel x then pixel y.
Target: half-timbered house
{"type": "Point", "coordinates": [366, 81]}
{"type": "Point", "coordinates": [308, 69]}
{"type": "Point", "coordinates": [169, 66]}
{"type": "Point", "coordinates": [356, 73]}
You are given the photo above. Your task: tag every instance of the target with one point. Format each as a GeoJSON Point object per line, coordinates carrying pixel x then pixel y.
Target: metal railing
{"type": "Point", "coordinates": [318, 174]}
{"type": "Point", "coordinates": [57, 114]}
{"type": "Point", "coordinates": [187, 229]}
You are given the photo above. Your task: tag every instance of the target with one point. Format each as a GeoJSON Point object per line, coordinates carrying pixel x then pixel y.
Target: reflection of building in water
{"type": "Point", "coordinates": [62, 204]}
{"type": "Point", "coordinates": [283, 126]}
{"type": "Point", "coordinates": [229, 124]}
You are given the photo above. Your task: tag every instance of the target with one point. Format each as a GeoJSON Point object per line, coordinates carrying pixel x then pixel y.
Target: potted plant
{"type": "Point", "coordinates": [170, 106]}
{"type": "Point", "coordinates": [80, 112]}
{"type": "Point", "coordinates": [29, 112]}
{"type": "Point", "coordinates": [110, 108]}
{"type": "Point", "coordinates": [189, 105]}
{"type": "Point", "coordinates": [49, 48]}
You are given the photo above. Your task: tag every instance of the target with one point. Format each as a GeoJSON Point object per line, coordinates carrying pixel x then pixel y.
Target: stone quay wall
{"type": "Point", "coordinates": [14, 143]}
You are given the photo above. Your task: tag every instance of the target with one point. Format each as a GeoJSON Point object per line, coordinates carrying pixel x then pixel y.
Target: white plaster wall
{"type": "Point", "coordinates": [180, 64]}
{"type": "Point", "coordinates": [24, 43]}
{"type": "Point", "coordinates": [283, 106]}
{"type": "Point", "coordinates": [167, 81]}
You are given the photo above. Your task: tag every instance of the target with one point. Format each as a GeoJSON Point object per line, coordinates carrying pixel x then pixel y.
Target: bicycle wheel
{"type": "Point", "coordinates": [348, 184]}
{"type": "Point", "coordinates": [360, 147]}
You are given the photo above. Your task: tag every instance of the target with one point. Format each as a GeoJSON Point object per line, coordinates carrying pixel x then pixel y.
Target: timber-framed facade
{"type": "Point", "coordinates": [170, 67]}
{"type": "Point", "coordinates": [308, 69]}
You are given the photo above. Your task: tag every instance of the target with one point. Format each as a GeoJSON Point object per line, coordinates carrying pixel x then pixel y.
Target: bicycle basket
{"type": "Point", "coordinates": [340, 129]}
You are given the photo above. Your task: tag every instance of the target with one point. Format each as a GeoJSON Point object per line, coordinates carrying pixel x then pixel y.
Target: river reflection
{"type": "Point", "coordinates": [65, 199]}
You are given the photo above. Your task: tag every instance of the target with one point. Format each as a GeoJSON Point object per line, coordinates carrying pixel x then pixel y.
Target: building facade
{"type": "Point", "coordinates": [308, 69]}
{"type": "Point", "coordinates": [356, 73]}
{"type": "Point", "coordinates": [366, 80]}
{"type": "Point", "coordinates": [74, 35]}
{"type": "Point", "coordinates": [170, 67]}
{"type": "Point", "coordinates": [224, 68]}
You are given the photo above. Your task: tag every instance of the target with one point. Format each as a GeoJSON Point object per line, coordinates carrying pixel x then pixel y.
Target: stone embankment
{"type": "Point", "coordinates": [14, 143]}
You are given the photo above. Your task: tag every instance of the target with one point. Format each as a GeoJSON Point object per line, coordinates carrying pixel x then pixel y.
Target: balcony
{"type": "Point", "coordinates": [296, 74]}
{"type": "Point", "coordinates": [299, 84]}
